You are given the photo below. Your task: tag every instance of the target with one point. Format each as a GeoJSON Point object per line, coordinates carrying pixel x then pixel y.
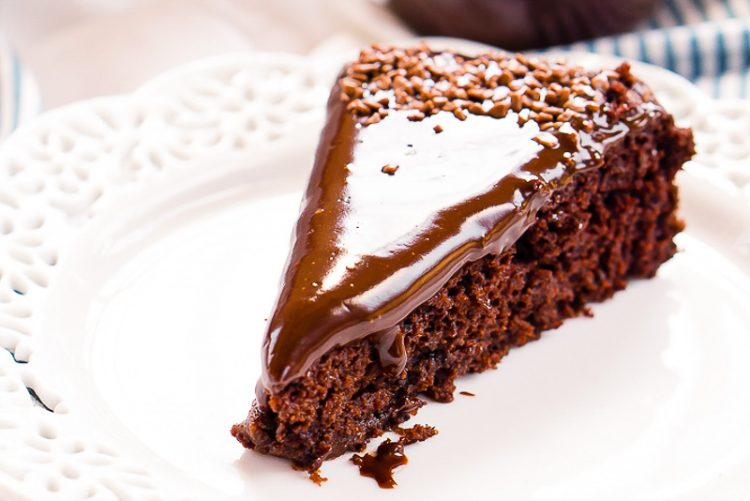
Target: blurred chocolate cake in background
{"type": "Point", "coordinates": [522, 24]}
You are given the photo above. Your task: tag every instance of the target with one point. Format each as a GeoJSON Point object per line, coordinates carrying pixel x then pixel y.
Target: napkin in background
{"type": "Point", "coordinates": [706, 41]}
{"type": "Point", "coordinates": [19, 97]}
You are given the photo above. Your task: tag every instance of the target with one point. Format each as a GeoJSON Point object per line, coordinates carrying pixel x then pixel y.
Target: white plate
{"type": "Point", "coordinates": [145, 235]}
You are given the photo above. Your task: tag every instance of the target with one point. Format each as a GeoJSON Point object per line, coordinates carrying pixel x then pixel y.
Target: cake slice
{"type": "Point", "coordinates": [458, 206]}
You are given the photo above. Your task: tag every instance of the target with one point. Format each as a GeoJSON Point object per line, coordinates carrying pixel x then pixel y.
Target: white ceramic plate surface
{"type": "Point", "coordinates": [144, 236]}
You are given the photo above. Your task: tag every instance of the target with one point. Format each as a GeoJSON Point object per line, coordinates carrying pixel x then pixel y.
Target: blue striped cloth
{"type": "Point", "coordinates": [19, 96]}
{"type": "Point", "coordinates": [706, 41]}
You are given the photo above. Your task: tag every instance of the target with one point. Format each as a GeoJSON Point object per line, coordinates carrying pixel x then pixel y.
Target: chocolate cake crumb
{"type": "Point", "coordinates": [316, 477]}
{"type": "Point", "coordinates": [467, 393]}
{"type": "Point", "coordinates": [417, 433]}
{"type": "Point", "coordinates": [389, 169]}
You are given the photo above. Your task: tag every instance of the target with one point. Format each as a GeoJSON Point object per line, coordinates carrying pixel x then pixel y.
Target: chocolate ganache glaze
{"type": "Point", "coordinates": [396, 205]}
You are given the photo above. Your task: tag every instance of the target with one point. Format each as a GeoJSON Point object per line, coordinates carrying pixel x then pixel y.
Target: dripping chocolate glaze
{"type": "Point", "coordinates": [358, 265]}
{"type": "Point", "coordinates": [389, 456]}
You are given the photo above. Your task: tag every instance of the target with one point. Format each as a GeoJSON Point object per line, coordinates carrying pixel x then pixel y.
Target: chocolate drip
{"type": "Point", "coordinates": [380, 466]}
{"type": "Point", "coordinates": [390, 455]}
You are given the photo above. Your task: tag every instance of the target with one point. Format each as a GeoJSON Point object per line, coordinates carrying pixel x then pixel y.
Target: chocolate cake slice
{"type": "Point", "coordinates": [458, 206]}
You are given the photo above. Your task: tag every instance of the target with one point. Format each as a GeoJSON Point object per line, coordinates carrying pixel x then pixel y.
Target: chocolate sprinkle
{"type": "Point", "coordinates": [492, 84]}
